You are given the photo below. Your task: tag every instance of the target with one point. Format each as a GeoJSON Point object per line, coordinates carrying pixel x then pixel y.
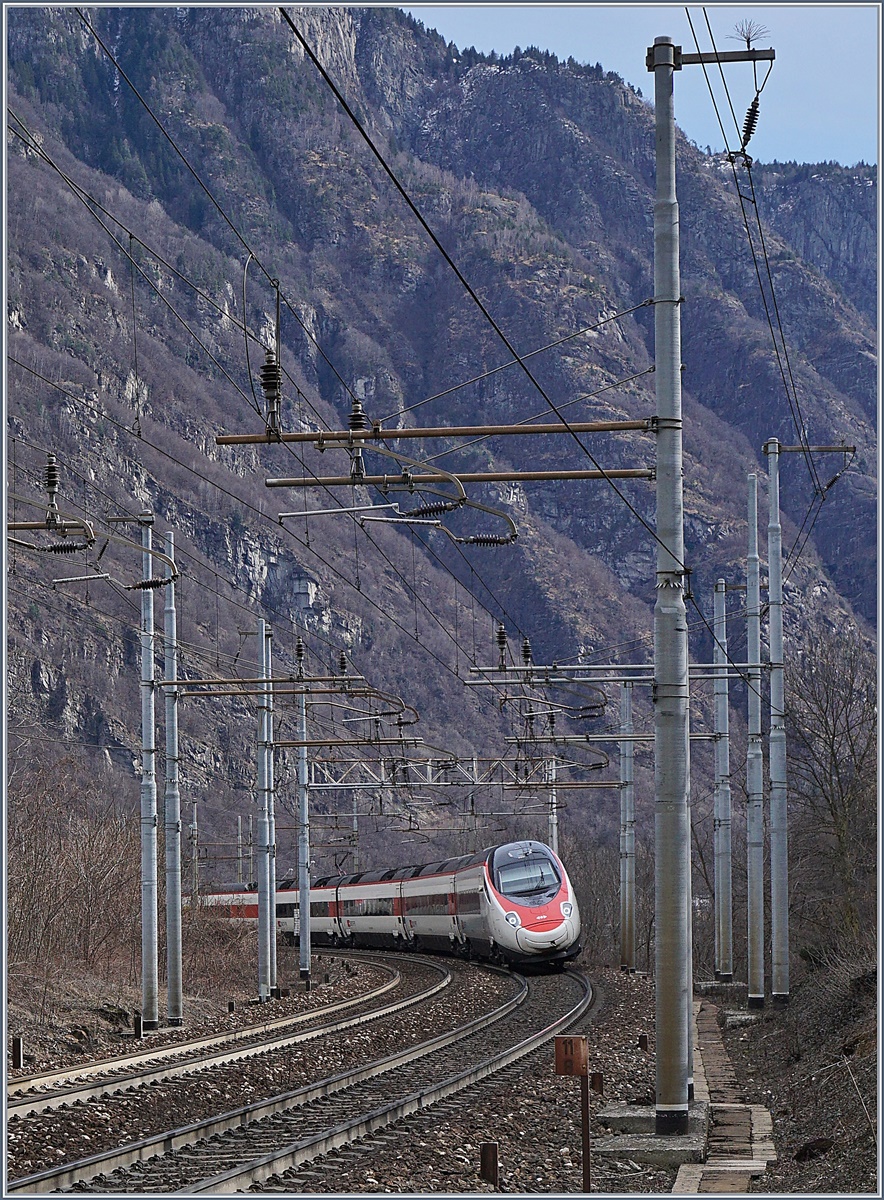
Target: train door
{"type": "Point", "coordinates": [453, 930]}
{"type": "Point", "coordinates": [471, 923]}
{"type": "Point", "coordinates": [457, 901]}
{"type": "Point", "coordinates": [403, 933]}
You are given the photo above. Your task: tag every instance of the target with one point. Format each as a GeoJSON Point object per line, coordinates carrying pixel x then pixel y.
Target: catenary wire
{"type": "Point", "coordinates": [527, 420]}
{"type": "Point", "coordinates": [143, 274]}
{"type": "Point", "coordinates": [122, 249]}
{"type": "Point", "coordinates": [169, 139]}
{"type": "Point", "coordinates": [81, 194]}
{"type": "Point", "coordinates": [515, 362]}
{"type": "Point", "coordinates": [468, 287]}
{"type": "Point", "coordinates": [167, 135]}
{"type": "Point", "coordinates": [791, 396]}
{"type": "Point", "coordinates": [239, 236]}
{"type": "Point", "coordinates": [178, 462]}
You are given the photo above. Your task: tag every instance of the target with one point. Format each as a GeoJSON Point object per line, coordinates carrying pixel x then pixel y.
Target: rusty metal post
{"type": "Point", "coordinates": [572, 1058]}
{"type": "Point", "coordinates": [488, 1163]}
{"type": "Point", "coordinates": [18, 1052]}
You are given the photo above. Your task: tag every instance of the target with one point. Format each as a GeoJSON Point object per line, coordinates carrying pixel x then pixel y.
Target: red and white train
{"type": "Point", "coordinates": [512, 904]}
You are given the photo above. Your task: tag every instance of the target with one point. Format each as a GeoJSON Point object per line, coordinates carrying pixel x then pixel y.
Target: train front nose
{"type": "Point", "coordinates": [536, 936]}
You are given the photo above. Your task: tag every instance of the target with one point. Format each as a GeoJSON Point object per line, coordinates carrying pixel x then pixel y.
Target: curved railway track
{"type": "Point", "coordinates": [396, 1065]}
{"type": "Point", "coordinates": [73, 1085]}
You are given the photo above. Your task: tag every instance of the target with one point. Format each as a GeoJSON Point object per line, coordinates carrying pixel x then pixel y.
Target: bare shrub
{"type": "Point", "coordinates": [218, 953]}
{"type": "Point", "coordinates": [832, 734]}
{"type": "Point", "coordinates": [73, 869]}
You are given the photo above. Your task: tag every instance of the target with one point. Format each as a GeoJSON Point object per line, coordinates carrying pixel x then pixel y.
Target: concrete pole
{"type": "Point", "coordinates": [689, 900]}
{"type": "Point", "coordinates": [671, 830]}
{"type": "Point", "coordinates": [779, 833]}
{"type": "Point", "coordinates": [724, 938]}
{"type": "Point", "coordinates": [251, 850]}
{"type": "Point", "coordinates": [263, 863]}
{"type": "Point", "coordinates": [355, 835]}
{"type": "Point", "coordinates": [172, 807]}
{"type": "Point", "coordinates": [627, 833]}
{"type": "Point", "coordinates": [754, 766]}
{"type": "Point", "coordinates": [239, 877]}
{"type": "Point", "coordinates": [150, 1016]}
{"type": "Point", "coordinates": [194, 863]}
{"type": "Point", "coordinates": [553, 808]}
{"type": "Point", "coordinates": [303, 844]}
{"type": "Point", "coordinates": [271, 816]}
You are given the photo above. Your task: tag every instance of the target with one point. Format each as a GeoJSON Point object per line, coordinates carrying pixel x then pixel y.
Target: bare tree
{"type": "Point", "coordinates": [72, 878]}
{"type": "Point", "coordinates": [832, 725]}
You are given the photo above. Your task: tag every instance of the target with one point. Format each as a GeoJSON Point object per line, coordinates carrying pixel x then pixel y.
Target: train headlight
{"type": "Point", "coordinates": [567, 908]}
{"type": "Point", "coordinates": [513, 919]}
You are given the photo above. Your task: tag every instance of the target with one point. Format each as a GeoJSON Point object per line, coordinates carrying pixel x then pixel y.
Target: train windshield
{"type": "Point", "coordinates": [530, 876]}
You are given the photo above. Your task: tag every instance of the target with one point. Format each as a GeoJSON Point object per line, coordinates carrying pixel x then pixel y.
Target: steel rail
{"type": "Point", "coordinates": [299, 1153]}
{"type": "Point", "coordinates": [123, 1083]}
{"type": "Point", "coordinates": [69, 1174]}
{"type": "Point", "coordinates": [23, 1083]}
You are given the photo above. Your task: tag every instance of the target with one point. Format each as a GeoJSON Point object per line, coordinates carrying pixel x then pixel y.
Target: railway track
{"type": "Point", "coordinates": [33, 1094]}
{"type": "Point", "coordinates": [388, 1070]}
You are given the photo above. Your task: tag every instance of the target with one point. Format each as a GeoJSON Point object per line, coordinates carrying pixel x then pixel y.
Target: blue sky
{"type": "Point", "coordinates": [822, 100]}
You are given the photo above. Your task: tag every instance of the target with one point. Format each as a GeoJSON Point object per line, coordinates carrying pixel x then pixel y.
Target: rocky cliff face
{"type": "Point", "coordinates": [537, 177]}
{"type": "Point", "coordinates": [827, 214]}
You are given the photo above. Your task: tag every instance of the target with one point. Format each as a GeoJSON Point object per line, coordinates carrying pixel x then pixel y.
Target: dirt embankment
{"type": "Point", "coordinates": [813, 1063]}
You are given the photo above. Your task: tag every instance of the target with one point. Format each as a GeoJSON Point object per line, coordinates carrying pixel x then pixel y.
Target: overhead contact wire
{"type": "Point", "coordinates": [246, 247]}
{"type": "Point", "coordinates": [245, 503]}
{"type": "Point", "coordinates": [81, 194]}
{"type": "Point", "coordinates": [465, 283]}
{"type": "Point", "coordinates": [77, 190]}
{"type": "Point", "coordinates": [515, 362]}
{"type": "Point", "coordinates": [791, 396]}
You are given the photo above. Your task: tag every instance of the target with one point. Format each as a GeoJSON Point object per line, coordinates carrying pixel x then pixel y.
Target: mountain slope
{"type": "Point", "coordinates": [537, 177]}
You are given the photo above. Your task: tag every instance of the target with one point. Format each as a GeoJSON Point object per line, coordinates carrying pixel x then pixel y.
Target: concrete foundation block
{"type": "Point", "coordinates": [641, 1118]}
{"type": "Point", "coordinates": [733, 1018]}
{"type": "Point", "coordinates": [637, 1140]}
